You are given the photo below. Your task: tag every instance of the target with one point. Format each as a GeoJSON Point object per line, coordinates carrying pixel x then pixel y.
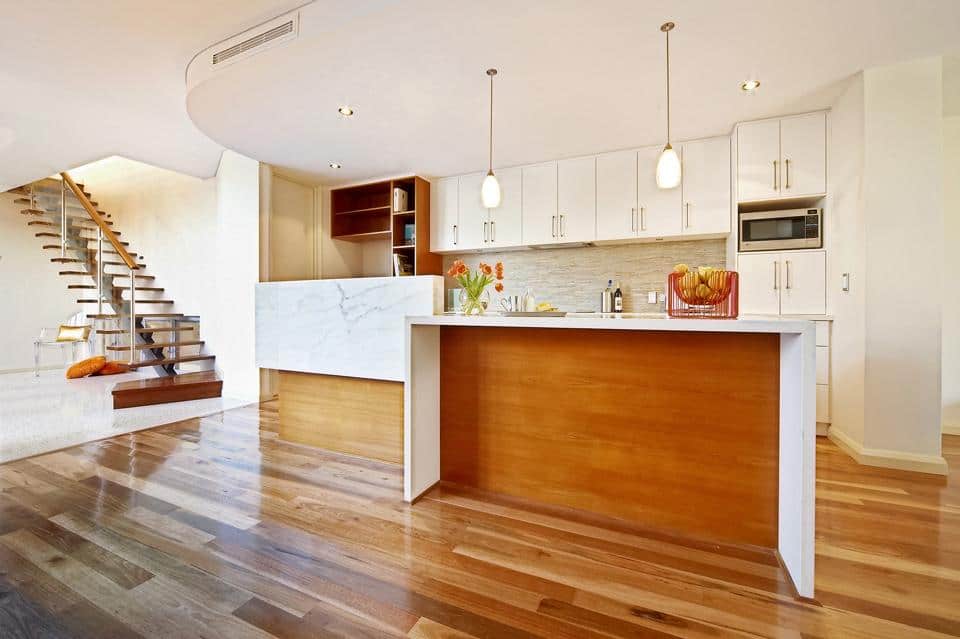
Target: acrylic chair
{"type": "Point", "coordinates": [73, 334]}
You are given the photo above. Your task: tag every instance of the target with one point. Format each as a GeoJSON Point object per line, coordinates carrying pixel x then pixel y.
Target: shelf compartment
{"type": "Point", "coordinates": [373, 210]}
{"type": "Point", "coordinates": [364, 237]}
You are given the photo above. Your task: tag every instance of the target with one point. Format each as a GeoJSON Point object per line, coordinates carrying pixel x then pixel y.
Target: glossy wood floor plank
{"type": "Point", "coordinates": [214, 527]}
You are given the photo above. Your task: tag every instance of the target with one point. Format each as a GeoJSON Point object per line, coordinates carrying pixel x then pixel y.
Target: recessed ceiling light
{"type": "Point", "coordinates": [750, 86]}
{"type": "Point", "coordinates": [336, 165]}
{"type": "Point", "coordinates": [346, 110]}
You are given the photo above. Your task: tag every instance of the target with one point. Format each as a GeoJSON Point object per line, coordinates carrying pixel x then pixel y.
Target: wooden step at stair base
{"type": "Point", "coordinates": [167, 361]}
{"type": "Point", "coordinates": [141, 331]}
{"type": "Point", "coordinates": [148, 347]}
{"type": "Point", "coordinates": [164, 390]}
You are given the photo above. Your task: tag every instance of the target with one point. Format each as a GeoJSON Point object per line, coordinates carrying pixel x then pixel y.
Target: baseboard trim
{"type": "Point", "coordinates": [950, 429]}
{"type": "Point", "coordinates": [932, 464]}
{"type": "Point", "coordinates": [51, 367]}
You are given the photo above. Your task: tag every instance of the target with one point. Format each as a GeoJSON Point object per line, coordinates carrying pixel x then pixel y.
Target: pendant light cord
{"type": "Point", "coordinates": [491, 122]}
{"type": "Point", "coordinates": [668, 86]}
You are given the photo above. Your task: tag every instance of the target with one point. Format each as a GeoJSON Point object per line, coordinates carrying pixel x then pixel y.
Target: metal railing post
{"type": "Point", "coordinates": [133, 317]}
{"type": "Point", "coordinates": [63, 219]}
{"type": "Point", "coordinates": [99, 271]}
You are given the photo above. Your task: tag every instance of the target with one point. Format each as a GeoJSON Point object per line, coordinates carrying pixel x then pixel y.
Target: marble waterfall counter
{"type": "Point", "coordinates": [348, 327]}
{"type": "Point", "coordinates": [339, 348]}
{"type": "Point", "coordinates": [699, 427]}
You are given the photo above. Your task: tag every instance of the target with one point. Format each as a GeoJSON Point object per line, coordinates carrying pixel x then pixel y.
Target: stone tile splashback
{"type": "Point", "coordinates": [572, 278]}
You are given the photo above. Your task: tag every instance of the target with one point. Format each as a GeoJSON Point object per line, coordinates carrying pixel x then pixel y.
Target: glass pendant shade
{"type": "Point", "coordinates": [668, 168]}
{"type": "Point", "coordinates": [490, 191]}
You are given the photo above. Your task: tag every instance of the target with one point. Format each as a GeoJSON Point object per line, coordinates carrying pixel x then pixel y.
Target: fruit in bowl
{"type": "Point", "coordinates": [706, 285]}
{"type": "Point", "coordinates": [546, 307]}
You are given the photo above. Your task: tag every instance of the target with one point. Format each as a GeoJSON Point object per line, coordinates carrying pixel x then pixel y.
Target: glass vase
{"type": "Point", "coordinates": [474, 304]}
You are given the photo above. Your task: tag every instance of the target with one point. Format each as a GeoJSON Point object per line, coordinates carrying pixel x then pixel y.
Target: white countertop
{"type": "Point", "coordinates": [623, 321]}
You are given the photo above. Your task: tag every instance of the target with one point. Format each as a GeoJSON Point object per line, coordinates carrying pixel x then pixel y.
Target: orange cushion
{"type": "Point", "coordinates": [86, 367]}
{"type": "Point", "coordinates": [113, 368]}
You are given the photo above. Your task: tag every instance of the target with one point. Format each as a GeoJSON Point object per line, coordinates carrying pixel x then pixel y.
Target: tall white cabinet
{"type": "Point", "coordinates": [577, 200]}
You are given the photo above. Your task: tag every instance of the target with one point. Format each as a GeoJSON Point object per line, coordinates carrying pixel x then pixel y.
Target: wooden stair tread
{"type": "Point", "coordinates": [142, 315]}
{"type": "Point", "coordinates": [57, 225]}
{"type": "Point", "coordinates": [87, 286]}
{"type": "Point", "coordinates": [164, 361]}
{"type": "Point", "coordinates": [163, 390]}
{"type": "Point", "coordinates": [161, 329]}
{"type": "Point", "coordinates": [87, 249]}
{"type": "Point", "coordinates": [148, 347]}
{"type": "Point", "coordinates": [87, 301]}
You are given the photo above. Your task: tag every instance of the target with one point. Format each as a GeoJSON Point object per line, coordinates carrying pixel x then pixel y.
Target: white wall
{"type": "Point", "coordinates": [292, 231]}
{"type": "Point", "coordinates": [200, 238]}
{"type": "Point", "coordinates": [34, 295]}
{"type": "Point", "coordinates": [237, 269]}
{"type": "Point", "coordinates": [951, 302]}
{"type": "Point", "coordinates": [845, 212]}
{"type": "Point", "coordinates": [886, 178]}
{"type": "Point", "coordinates": [903, 204]}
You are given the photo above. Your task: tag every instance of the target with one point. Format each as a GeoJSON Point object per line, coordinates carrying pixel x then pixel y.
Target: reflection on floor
{"type": "Point", "coordinates": [49, 412]}
{"type": "Point", "coordinates": [215, 528]}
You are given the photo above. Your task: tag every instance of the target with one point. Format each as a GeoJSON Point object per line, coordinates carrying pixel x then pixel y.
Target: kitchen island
{"type": "Point", "coordinates": [703, 428]}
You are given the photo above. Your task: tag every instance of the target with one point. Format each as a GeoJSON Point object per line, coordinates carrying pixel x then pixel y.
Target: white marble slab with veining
{"type": "Point", "coordinates": [351, 327]}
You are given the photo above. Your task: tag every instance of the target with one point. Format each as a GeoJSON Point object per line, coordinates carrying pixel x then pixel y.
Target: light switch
{"type": "Point", "coordinates": [652, 297]}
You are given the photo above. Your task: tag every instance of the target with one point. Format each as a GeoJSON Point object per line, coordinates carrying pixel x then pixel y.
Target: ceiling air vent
{"type": "Point", "coordinates": [257, 39]}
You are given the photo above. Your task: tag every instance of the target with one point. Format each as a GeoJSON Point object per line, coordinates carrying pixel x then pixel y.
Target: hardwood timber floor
{"type": "Point", "coordinates": [213, 527]}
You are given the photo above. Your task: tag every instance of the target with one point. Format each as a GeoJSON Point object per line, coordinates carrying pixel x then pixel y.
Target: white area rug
{"type": "Point", "coordinates": [46, 413]}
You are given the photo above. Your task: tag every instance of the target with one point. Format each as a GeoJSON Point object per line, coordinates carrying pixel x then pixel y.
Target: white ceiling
{"type": "Point", "coordinates": [576, 77]}
{"type": "Point", "coordinates": [82, 81]}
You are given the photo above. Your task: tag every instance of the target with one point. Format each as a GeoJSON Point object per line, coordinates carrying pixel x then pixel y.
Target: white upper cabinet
{"type": "Point", "coordinates": [617, 215]}
{"type": "Point", "coordinates": [506, 220]}
{"type": "Point", "coordinates": [803, 148]}
{"type": "Point", "coordinates": [658, 210]}
{"type": "Point", "coordinates": [758, 160]}
{"type": "Point", "coordinates": [781, 159]}
{"type": "Point", "coordinates": [706, 186]}
{"type": "Point", "coordinates": [577, 199]}
{"type": "Point", "coordinates": [804, 290]}
{"type": "Point", "coordinates": [474, 225]}
{"type": "Point", "coordinates": [444, 214]}
{"type": "Point", "coordinates": [540, 204]}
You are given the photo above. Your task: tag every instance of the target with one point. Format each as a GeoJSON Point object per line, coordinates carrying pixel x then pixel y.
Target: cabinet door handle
{"type": "Point", "coordinates": [774, 175]}
{"type": "Point", "coordinates": [788, 274]}
{"type": "Point", "coordinates": [561, 225]}
{"type": "Point", "coordinates": [633, 219]}
{"type": "Point", "coordinates": [643, 221]}
{"type": "Point", "coordinates": [486, 232]}
{"type": "Point", "coordinates": [787, 185]}
{"type": "Point", "coordinates": [553, 225]}
{"type": "Point", "coordinates": [776, 267]}
{"type": "Point", "coordinates": [456, 235]}
{"type": "Point", "coordinates": [687, 221]}
{"type": "Point", "coordinates": [493, 231]}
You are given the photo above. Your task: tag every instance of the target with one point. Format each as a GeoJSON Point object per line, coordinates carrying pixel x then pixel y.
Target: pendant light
{"type": "Point", "coordinates": [490, 190]}
{"type": "Point", "coordinates": [668, 165]}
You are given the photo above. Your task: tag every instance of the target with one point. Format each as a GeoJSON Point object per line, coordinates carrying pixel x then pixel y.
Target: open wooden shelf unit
{"type": "Point", "coordinates": [365, 213]}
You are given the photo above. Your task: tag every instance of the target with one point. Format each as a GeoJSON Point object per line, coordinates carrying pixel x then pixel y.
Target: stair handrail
{"type": "Point", "coordinates": [99, 221]}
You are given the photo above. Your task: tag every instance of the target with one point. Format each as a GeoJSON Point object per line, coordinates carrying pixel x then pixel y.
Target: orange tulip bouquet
{"type": "Point", "coordinates": [474, 298]}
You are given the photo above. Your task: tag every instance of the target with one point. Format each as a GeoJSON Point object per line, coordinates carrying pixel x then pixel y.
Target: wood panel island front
{"type": "Point", "coordinates": [693, 427]}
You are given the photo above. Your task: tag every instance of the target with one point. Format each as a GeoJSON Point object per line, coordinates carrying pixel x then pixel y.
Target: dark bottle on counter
{"type": "Point", "coordinates": [618, 300]}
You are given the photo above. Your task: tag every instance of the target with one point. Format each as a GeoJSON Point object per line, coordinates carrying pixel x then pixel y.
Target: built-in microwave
{"type": "Point", "coordinates": [780, 230]}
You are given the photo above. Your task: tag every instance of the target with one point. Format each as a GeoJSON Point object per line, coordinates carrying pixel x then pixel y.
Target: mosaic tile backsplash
{"type": "Point", "coordinates": [572, 278]}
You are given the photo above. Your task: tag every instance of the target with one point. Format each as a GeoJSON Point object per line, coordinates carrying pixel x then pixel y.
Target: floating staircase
{"type": "Point", "coordinates": [130, 318]}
